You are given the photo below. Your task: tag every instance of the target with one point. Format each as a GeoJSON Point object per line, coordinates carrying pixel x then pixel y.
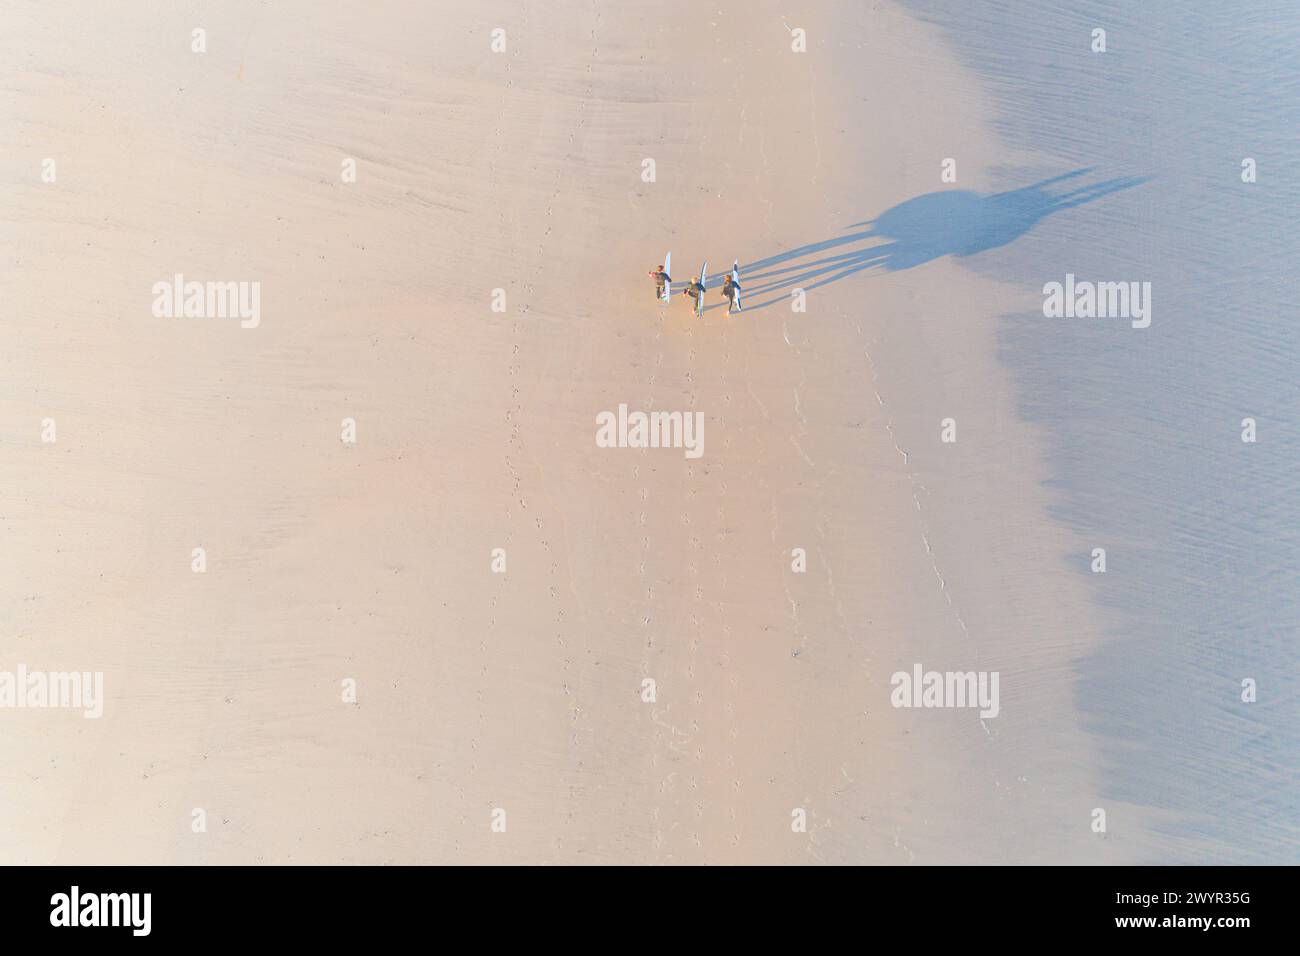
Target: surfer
{"type": "Point", "coordinates": [661, 279]}
{"type": "Point", "coordinates": [731, 290]}
{"type": "Point", "coordinates": [695, 290]}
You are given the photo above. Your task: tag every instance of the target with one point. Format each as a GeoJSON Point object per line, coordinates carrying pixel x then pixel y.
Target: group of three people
{"type": "Point", "coordinates": [695, 289]}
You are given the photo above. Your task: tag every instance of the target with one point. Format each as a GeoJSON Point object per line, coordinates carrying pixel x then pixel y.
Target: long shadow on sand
{"type": "Point", "coordinates": [949, 223]}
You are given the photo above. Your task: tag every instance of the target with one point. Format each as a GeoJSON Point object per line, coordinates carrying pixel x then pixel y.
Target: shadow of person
{"type": "Point", "coordinates": [962, 223]}
{"type": "Point", "coordinates": [948, 223]}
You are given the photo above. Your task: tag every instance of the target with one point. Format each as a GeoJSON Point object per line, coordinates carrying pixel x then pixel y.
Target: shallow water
{"type": "Point", "coordinates": [1144, 425]}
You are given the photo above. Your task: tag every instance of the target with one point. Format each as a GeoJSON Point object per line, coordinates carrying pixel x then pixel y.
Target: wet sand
{"type": "Point", "coordinates": [522, 691]}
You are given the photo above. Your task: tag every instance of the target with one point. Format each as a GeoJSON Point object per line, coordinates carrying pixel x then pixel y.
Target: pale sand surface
{"type": "Point", "coordinates": [519, 171]}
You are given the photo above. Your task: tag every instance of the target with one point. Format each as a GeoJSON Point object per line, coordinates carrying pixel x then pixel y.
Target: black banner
{"type": "Point", "coordinates": [375, 904]}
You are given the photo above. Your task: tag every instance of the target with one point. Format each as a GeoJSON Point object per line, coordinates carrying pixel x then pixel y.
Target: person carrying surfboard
{"type": "Point", "coordinates": [695, 290]}
{"type": "Point", "coordinates": [660, 277]}
{"type": "Point", "coordinates": [731, 290]}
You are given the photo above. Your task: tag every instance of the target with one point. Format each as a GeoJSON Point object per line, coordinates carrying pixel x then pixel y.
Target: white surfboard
{"type": "Point", "coordinates": [704, 277]}
{"type": "Point", "coordinates": [668, 283]}
{"type": "Point", "coordinates": [735, 280]}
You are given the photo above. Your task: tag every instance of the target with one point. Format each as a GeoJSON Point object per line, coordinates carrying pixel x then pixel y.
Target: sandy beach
{"type": "Point", "coordinates": [496, 587]}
